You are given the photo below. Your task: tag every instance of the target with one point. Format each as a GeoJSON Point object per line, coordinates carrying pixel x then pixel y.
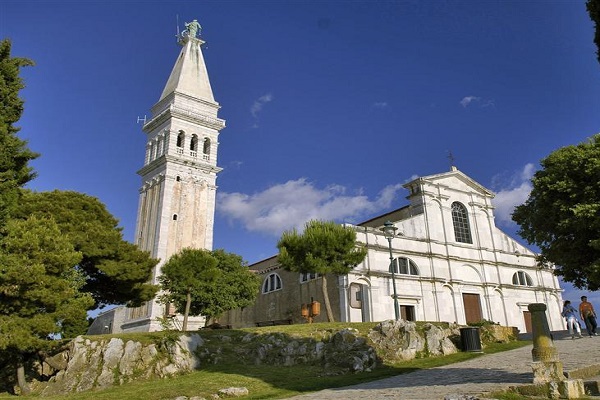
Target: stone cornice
{"type": "Point", "coordinates": [204, 167]}
{"type": "Point", "coordinates": [185, 114]}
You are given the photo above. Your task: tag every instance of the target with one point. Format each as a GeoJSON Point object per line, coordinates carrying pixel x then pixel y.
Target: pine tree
{"type": "Point", "coordinates": [324, 248]}
{"type": "Point", "coordinates": [115, 271]}
{"type": "Point", "coordinates": [593, 8]}
{"type": "Point", "coordinates": [562, 214]}
{"type": "Point", "coordinates": [15, 171]}
{"type": "Point", "coordinates": [39, 289]}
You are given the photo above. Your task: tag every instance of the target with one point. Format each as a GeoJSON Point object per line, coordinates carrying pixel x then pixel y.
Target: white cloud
{"type": "Point", "coordinates": [474, 100]}
{"type": "Point", "coordinates": [468, 100]}
{"type": "Point", "coordinates": [259, 103]}
{"type": "Point", "coordinates": [488, 103]}
{"type": "Point", "coordinates": [514, 191]}
{"type": "Point", "coordinates": [380, 104]}
{"type": "Point", "coordinates": [289, 205]}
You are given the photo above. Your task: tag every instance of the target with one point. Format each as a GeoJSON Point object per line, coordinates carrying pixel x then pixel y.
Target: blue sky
{"type": "Point", "coordinates": [330, 105]}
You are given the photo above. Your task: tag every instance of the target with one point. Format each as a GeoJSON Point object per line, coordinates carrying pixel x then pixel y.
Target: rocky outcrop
{"type": "Point", "coordinates": [341, 351]}
{"type": "Point", "coordinates": [103, 363]}
{"type": "Point", "coordinates": [94, 364]}
{"type": "Point", "coordinates": [400, 340]}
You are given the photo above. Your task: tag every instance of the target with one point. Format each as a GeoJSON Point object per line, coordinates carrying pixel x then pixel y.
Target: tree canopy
{"type": "Point", "coordinates": [208, 283]}
{"type": "Point", "coordinates": [593, 8]}
{"type": "Point", "coordinates": [61, 253]}
{"type": "Point", "coordinates": [324, 248]}
{"type": "Point", "coordinates": [235, 287]}
{"type": "Point", "coordinates": [15, 171]}
{"type": "Point", "coordinates": [39, 289]}
{"type": "Point", "coordinates": [562, 214]}
{"type": "Point", "coordinates": [115, 271]}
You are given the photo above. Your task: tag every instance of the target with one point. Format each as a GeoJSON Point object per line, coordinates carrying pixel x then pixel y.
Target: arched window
{"type": "Point", "coordinates": [206, 149]}
{"type": "Point", "coordinates": [522, 279]}
{"type": "Point", "coordinates": [404, 266]}
{"type": "Point", "coordinates": [271, 283]}
{"type": "Point", "coordinates": [180, 139]}
{"type": "Point", "coordinates": [460, 219]}
{"type": "Point", "coordinates": [194, 145]}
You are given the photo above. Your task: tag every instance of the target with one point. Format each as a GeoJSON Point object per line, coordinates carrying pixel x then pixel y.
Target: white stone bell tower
{"type": "Point", "coordinates": [177, 198]}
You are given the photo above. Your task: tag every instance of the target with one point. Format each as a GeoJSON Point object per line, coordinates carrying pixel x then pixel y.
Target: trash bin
{"type": "Point", "coordinates": [469, 339]}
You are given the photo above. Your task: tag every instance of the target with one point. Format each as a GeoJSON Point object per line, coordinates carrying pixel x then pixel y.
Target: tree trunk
{"type": "Point", "coordinates": [188, 302]}
{"type": "Point", "coordinates": [330, 317]}
{"type": "Point", "coordinates": [22, 382]}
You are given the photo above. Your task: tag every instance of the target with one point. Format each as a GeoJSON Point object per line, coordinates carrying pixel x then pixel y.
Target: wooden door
{"type": "Point", "coordinates": [472, 307]}
{"type": "Point", "coordinates": [407, 313]}
{"type": "Point", "coordinates": [527, 317]}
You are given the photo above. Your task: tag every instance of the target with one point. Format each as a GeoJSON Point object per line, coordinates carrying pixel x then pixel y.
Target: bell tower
{"type": "Point", "coordinates": [177, 197]}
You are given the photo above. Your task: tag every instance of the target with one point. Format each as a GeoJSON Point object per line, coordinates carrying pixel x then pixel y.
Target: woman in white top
{"type": "Point", "coordinates": [570, 314]}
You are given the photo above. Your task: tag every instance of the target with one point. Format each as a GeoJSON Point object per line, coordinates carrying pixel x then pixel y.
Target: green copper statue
{"type": "Point", "coordinates": [192, 28]}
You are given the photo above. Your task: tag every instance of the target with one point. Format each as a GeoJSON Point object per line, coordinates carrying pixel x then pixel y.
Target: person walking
{"type": "Point", "coordinates": [588, 315]}
{"type": "Point", "coordinates": [570, 314]}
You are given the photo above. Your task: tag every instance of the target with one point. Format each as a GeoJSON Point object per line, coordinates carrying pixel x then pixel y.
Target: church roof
{"type": "Point", "coordinates": [453, 173]}
{"type": "Point", "coordinates": [189, 75]}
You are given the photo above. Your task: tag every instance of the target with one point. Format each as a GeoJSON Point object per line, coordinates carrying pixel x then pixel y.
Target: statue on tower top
{"type": "Point", "coordinates": [192, 29]}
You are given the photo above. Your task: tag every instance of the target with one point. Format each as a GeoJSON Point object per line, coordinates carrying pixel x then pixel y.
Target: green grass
{"type": "Point", "coordinates": [264, 381]}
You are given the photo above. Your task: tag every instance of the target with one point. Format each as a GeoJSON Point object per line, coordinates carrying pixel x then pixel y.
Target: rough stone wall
{"type": "Point", "coordinates": [99, 364]}
{"type": "Point", "coordinates": [400, 340]}
{"type": "Point", "coordinates": [95, 364]}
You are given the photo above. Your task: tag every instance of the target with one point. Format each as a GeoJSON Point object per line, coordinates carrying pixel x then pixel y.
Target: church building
{"type": "Point", "coordinates": [178, 193]}
{"type": "Point", "coordinates": [446, 260]}
{"type": "Point", "coordinates": [443, 259]}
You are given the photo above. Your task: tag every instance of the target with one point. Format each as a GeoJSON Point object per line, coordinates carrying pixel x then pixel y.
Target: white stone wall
{"type": "Point", "coordinates": [449, 269]}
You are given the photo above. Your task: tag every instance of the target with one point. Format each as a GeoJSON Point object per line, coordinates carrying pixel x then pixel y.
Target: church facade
{"type": "Point", "coordinates": [450, 262]}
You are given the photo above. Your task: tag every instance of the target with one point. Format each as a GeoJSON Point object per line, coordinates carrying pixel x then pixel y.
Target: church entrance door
{"type": "Point", "coordinates": [472, 307]}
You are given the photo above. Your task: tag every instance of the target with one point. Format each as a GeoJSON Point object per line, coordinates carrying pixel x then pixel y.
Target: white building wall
{"type": "Point", "coordinates": [449, 269]}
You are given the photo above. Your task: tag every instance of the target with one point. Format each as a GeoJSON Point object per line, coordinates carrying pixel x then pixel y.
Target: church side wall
{"type": "Point", "coordinates": [285, 303]}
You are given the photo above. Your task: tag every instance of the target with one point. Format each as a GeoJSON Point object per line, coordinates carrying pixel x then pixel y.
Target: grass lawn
{"type": "Point", "coordinates": [264, 381]}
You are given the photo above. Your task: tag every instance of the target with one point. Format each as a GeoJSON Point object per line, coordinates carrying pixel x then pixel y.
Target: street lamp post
{"type": "Point", "coordinates": [389, 230]}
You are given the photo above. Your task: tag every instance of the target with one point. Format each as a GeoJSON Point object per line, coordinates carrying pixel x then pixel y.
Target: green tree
{"type": "Point", "coordinates": [39, 290]}
{"type": "Point", "coordinates": [60, 252]}
{"type": "Point", "coordinates": [562, 214]}
{"type": "Point", "coordinates": [184, 276]}
{"type": "Point", "coordinates": [324, 248]}
{"type": "Point", "coordinates": [593, 8]}
{"type": "Point", "coordinates": [115, 271]}
{"type": "Point", "coordinates": [14, 154]}
{"type": "Point", "coordinates": [208, 283]}
{"type": "Point", "coordinates": [235, 287]}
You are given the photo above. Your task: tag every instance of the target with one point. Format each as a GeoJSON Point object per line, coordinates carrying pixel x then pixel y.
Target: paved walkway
{"type": "Point", "coordinates": [490, 372]}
